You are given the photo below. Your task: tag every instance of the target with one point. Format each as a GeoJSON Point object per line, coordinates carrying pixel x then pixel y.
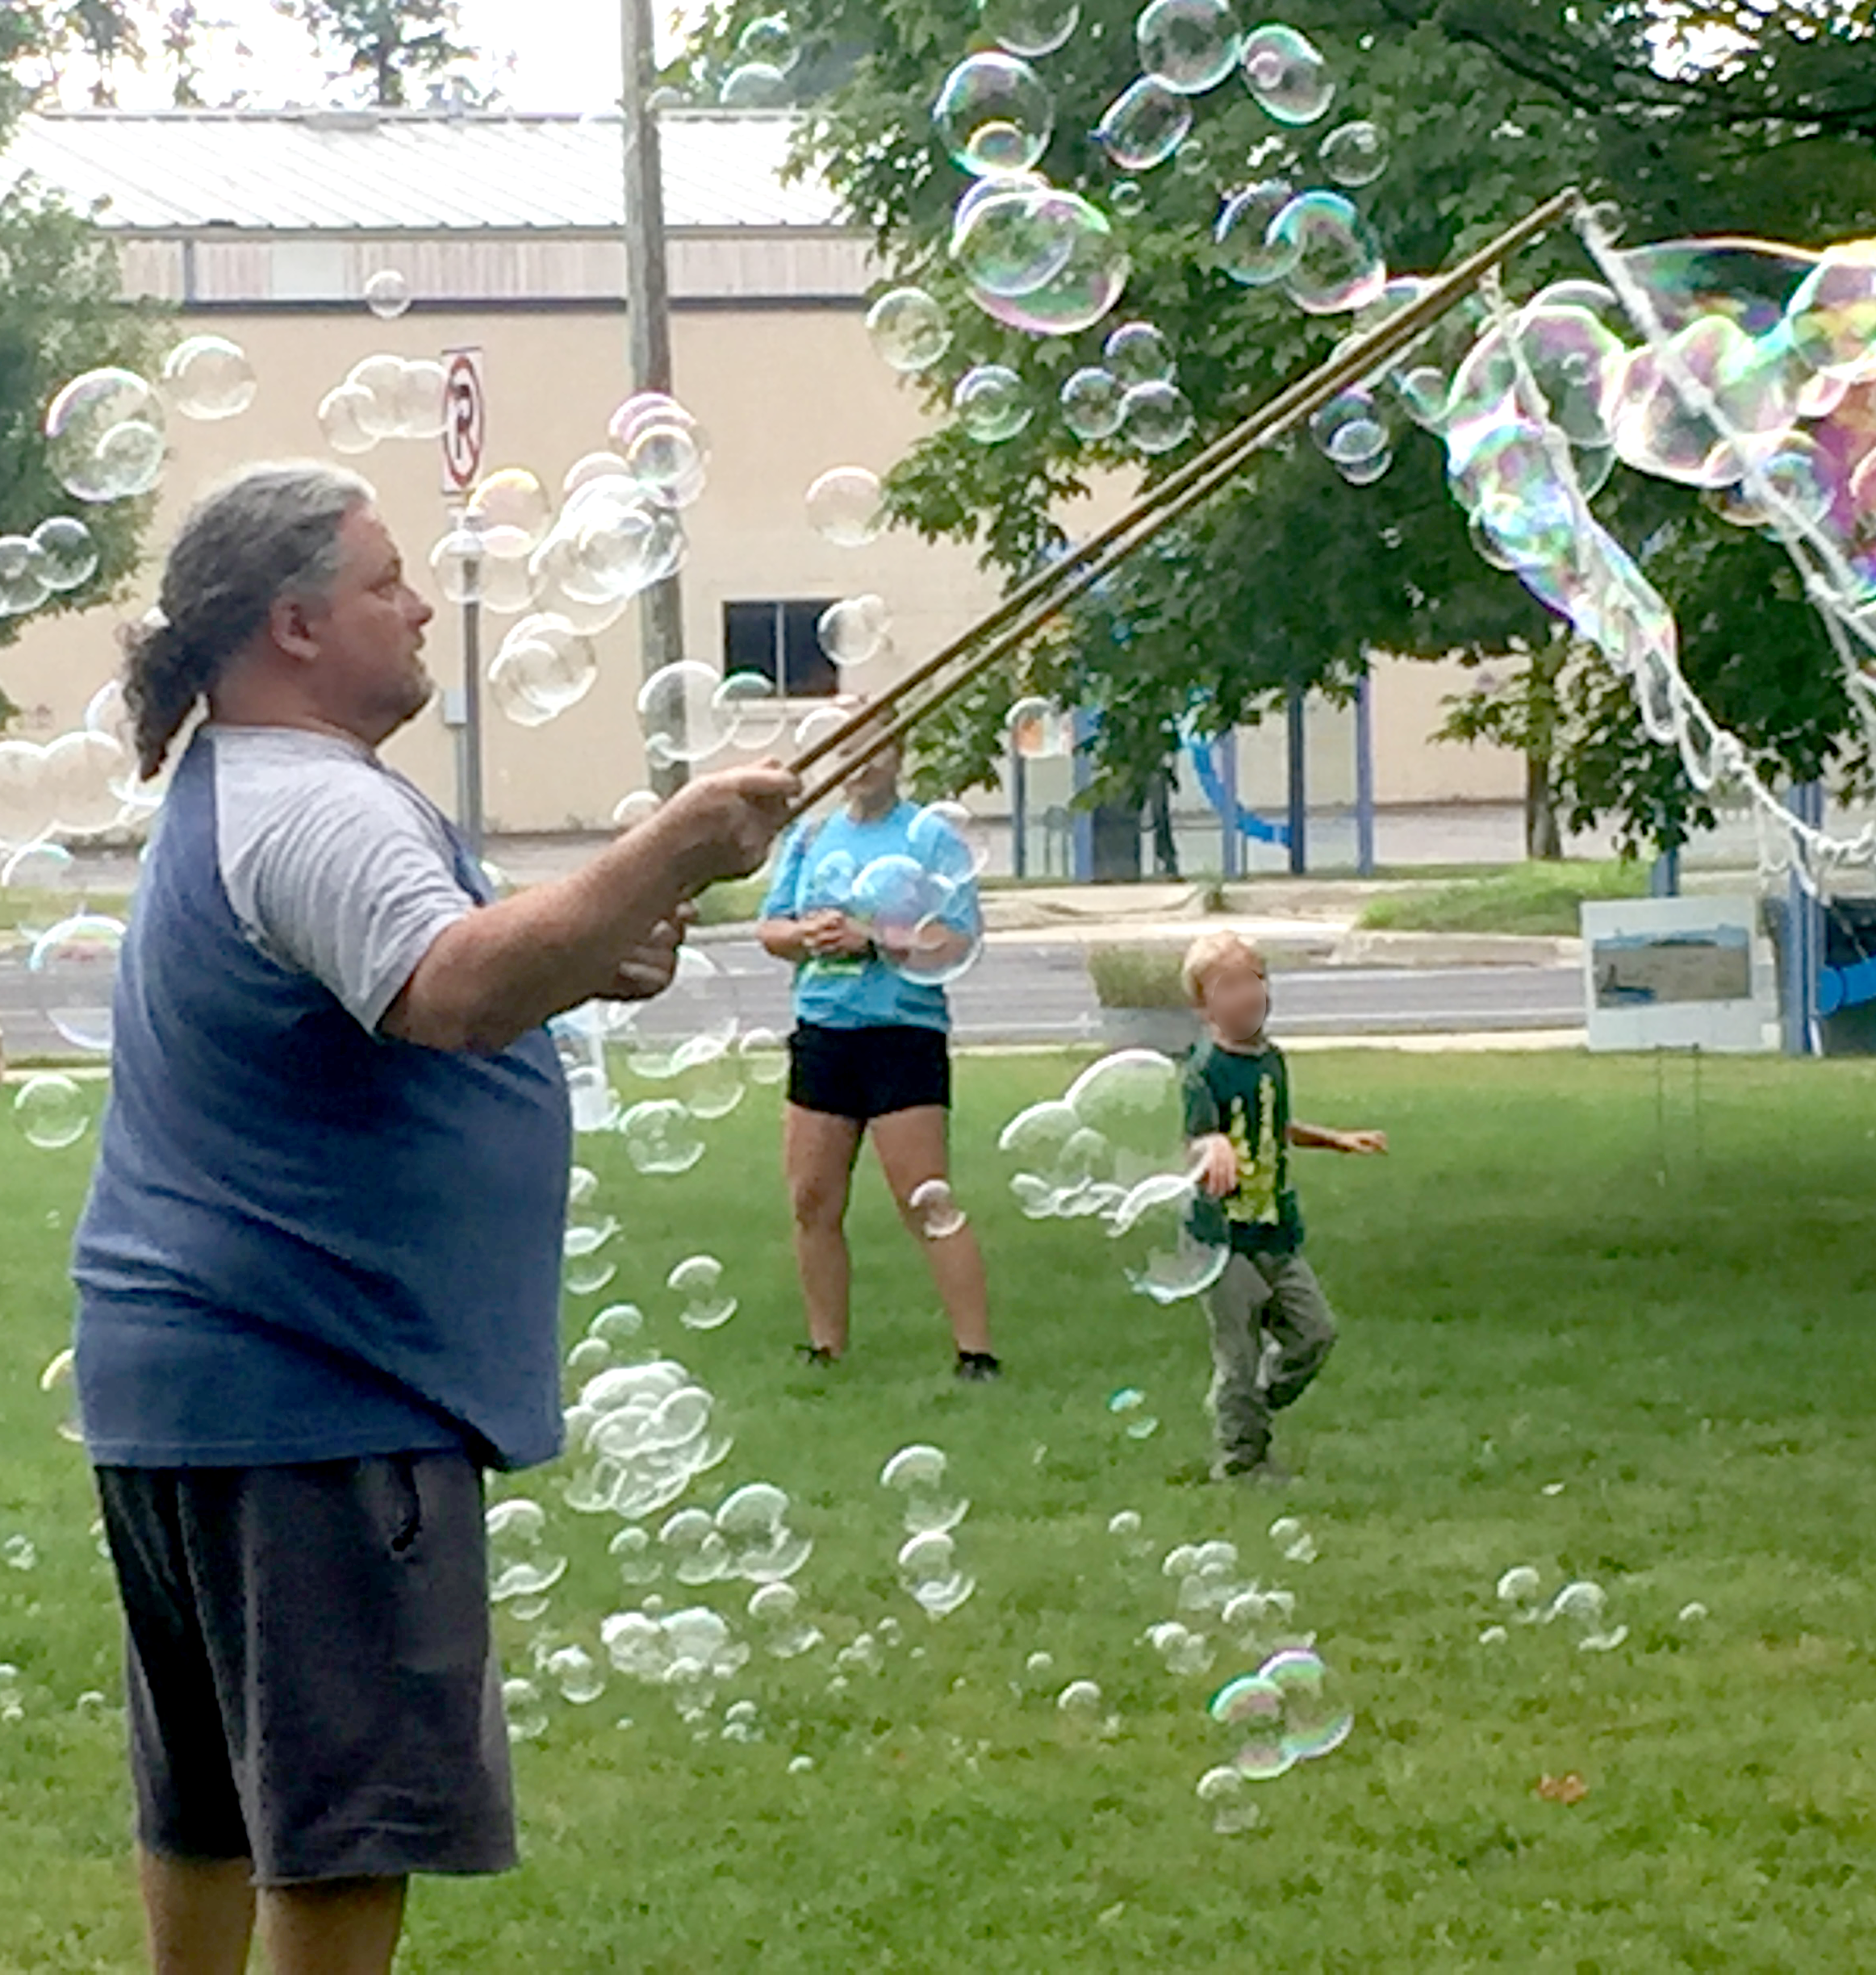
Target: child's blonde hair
{"type": "Point", "coordinates": [1208, 955]}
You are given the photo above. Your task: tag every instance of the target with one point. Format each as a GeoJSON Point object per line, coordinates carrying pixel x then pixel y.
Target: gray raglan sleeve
{"type": "Point", "coordinates": [345, 879]}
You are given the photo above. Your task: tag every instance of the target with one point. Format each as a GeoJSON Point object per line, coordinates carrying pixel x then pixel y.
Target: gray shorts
{"type": "Point", "coordinates": [311, 1682]}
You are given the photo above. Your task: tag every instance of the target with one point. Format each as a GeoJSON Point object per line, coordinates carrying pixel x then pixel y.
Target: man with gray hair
{"type": "Point", "coordinates": [318, 1271]}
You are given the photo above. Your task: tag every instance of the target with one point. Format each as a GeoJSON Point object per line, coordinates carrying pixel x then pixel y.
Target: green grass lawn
{"type": "Point", "coordinates": [1589, 1324]}
{"type": "Point", "coordinates": [1533, 898]}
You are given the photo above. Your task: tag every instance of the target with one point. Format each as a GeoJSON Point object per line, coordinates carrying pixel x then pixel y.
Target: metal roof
{"type": "Point", "coordinates": [395, 172]}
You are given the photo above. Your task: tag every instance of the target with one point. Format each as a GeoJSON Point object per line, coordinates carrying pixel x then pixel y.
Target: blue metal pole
{"type": "Point", "coordinates": [1081, 824]}
{"type": "Point", "coordinates": [1803, 938]}
{"type": "Point", "coordinates": [1299, 793]}
{"type": "Point", "coordinates": [1019, 814]}
{"type": "Point", "coordinates": [1363, 777]}
{"type": "Point", "coordinates": [1225, 754]}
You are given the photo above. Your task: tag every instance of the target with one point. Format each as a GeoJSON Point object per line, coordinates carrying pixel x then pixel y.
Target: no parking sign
{"type": "Point", "coordinates": [464, 419]}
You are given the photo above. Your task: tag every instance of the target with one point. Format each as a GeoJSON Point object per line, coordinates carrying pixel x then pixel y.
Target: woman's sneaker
{"type": "Point", "coordinates": [978, 1365]}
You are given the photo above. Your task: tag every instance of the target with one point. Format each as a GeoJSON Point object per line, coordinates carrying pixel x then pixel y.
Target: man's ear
{"type": "Point", "coordinates": [288, 624]}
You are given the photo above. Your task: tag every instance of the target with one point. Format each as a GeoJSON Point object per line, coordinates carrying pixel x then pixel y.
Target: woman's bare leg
{"type": "Point", "coordinates": [818, 1152]}
{"type": "Point", "coordinates": [913, 1147]}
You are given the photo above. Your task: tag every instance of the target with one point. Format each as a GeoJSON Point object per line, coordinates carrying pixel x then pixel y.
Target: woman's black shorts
{"type": "Point", "coordinates": [868, 1073]}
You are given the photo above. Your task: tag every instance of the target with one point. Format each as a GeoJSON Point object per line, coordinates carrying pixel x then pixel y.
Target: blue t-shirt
{"type": "Point", "coordinates": [816, 870]}
{"type": "Point", "coordinates": [307, 1240]}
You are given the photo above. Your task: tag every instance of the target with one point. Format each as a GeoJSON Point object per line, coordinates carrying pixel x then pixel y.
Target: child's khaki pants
{"type": "Point", "coordinates": [1272, 1328]}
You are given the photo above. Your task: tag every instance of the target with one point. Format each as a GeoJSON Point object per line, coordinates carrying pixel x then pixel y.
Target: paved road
{"type": "Point", "coordinates": [1038, 993]}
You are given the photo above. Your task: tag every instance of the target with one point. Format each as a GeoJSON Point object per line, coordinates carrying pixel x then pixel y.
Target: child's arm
{"type": "Point", "coordinates": [1214, 1158]}
{"type": "Point", "coordinates": [1215, 1163]}
{"type": "Point", "coordinates": [1320, 1138]}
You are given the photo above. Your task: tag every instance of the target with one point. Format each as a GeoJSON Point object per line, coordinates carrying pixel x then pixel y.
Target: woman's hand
{"type": "Point", "coordinates": [831, 935]}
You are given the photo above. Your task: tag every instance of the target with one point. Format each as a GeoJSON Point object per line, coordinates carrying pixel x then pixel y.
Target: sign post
{"type": "Point", "coordinates": [465, 421]}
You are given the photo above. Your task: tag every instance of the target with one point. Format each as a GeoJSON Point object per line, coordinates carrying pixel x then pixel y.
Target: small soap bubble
{"type": "Point", "coordinates": [763, 1056]}
{"type": "Point", "coordinates": [754, 86]}
{"type": "Point", "coordinates": [994, 115]}
{"type": "Point", "coordinates": [525, 1710]}
{"type": "Point", "coordinates": [50, 1111]}
{"type": "Point", "coordinates": [854, 630]}
{"type": "Point", "coordinates": [699, 1281]}
{"type": "Point", "coordinates": [1286, 71]}
{"type": "Point", "coordinates": [1030, 27]}
{"type": "Point", "coordinates": [1144, 125]}
{"type": "Point", "coordinates": [387, 294]}
{"type": "Point", "coordinates": [990, 403]}
{"type": "Point", "coordinates": [1189, 45]}
{"type": "Point", "coordinates": [934, 1211]}
{"type": "Point", "coordinates": [576, 1673]}
{"type": "Point", "coordinates": [1354, 154]}
{"type": "Point", "coordinates": [1223, 1792]}
{"type": "Point", "coordinates": [1128, 1408]}
{"type": "Point", "coordinates": [104, 435]}
{"type": "Point", "coordinates": [209, 377]}
{"type": "Point", "coordinates": [846, 505]}
{"type": "Point", "coordinates": [908, 329]}
{"type": "Point", "coordinates": [1093, 403]}
{"type": "Point", "coordinates": [1157, 418]}
{"type": "Point", "coordinates": [1138, 353]}
{"type": "Point", "coordinates": [770, 40]}
{"type": "Point", "coordinates": [67, 552]}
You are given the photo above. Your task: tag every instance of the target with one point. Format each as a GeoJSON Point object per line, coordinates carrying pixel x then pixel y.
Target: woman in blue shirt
{"type": "Point", "coordinates": [869, 1055]}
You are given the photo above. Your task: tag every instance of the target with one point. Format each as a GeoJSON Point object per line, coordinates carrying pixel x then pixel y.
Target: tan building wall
{"type": "Point", "coordinates": [784, 392]}
{"type": "Point", "coordinates": [1410, 768]}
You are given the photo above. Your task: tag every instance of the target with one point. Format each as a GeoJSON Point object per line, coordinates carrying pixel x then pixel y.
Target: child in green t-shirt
{"type": "Point", "coordinates": [1271, 1325]}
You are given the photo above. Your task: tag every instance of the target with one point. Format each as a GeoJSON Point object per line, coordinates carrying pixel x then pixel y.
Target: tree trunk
{"type": "Point", "coordinates": [1543, 834]}
{"type": "Point", "coordinates": [1165, 842]}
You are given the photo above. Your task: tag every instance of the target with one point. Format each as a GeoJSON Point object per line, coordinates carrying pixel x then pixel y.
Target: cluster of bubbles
{"type": "Point", "coordinates": [1581, 1605]}
{"type": "Point", "coordinates": [569, 573]}
{"type": "Point", "coordinates": [847, 506]}
{"type": "Point", "coordinates": [383, 397]}
{"type": "Point", "coordinates": [1290, 1710]}
{"type": "Point", "coordinates": [930, 1510]}
{"type": "Point", "coordinates": [766, 53]}
{"type": "Point", "coordinates": [1052, 260]}
{"type": "Point", "coordinates": [60, 556]}
{"type": "Point", "coordinates": [690, 1046]}
{"type": "Point", "coordinates": [636, 1436]}
{"type": "Point", "coordinates": [106, 440]}
{"type": "Point", "coordinates": [1743, 368]}
{"type": "Point", "coordinates": [1112, 1151]}
{"type": "Point", "coordinates": [107, 431]}
{"type": "Point", "coordinates": [73, 785]}
{"type": "Point", "coordinates": [1130, 392]}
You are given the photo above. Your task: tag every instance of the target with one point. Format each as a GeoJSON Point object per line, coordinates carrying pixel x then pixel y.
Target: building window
{"type": "Point", "coordinates": [780, 640]}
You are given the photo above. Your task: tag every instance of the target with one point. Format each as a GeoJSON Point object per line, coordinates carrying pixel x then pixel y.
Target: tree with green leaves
{"type": "Point", "coordinates": [61, 313]}
{"type": "Point", "coordinates": [1754, 118]}
{"type": "Point", "coordinates": [388, 44]}
{"type": "Point", "coordinates": [44, 42]}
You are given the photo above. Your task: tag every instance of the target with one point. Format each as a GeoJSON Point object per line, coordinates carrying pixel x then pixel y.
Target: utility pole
{"type": "Point", "coordinates": [647, 316]}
